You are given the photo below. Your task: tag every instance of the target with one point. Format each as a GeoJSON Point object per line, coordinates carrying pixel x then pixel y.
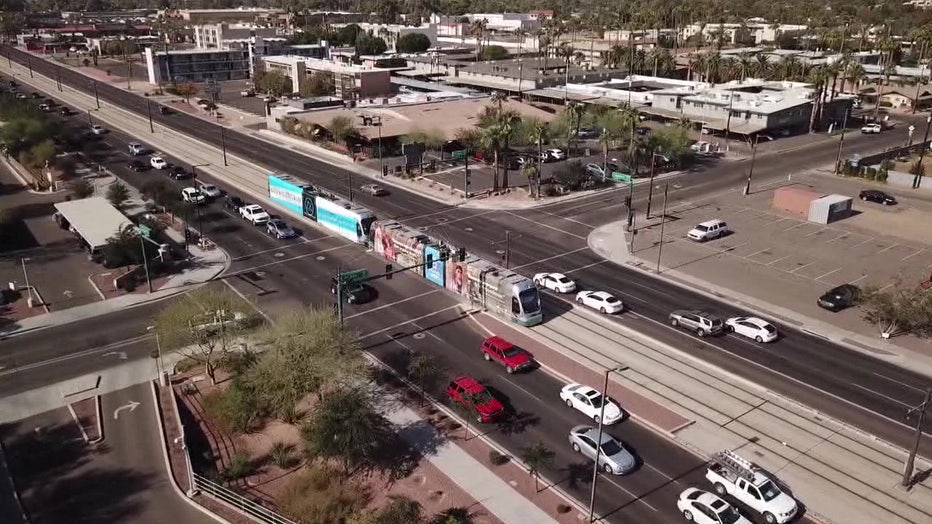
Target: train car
{"type": "Point", "coordinates": [287, 191]}
{"type": "Point", "coordinates": [343, 218]}
{"type": "Point", "coordinates": [400, 244]}
{"type": "Point", "coordinates": [504, 293]}
{"type": "Point", "coordinates": [456, 280]}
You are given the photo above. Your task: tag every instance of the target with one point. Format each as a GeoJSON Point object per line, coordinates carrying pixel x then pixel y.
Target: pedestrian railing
{"type": "Point", "coordinates": [253, 509]}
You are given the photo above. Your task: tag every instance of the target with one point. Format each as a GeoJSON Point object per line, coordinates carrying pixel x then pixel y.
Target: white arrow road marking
{"type": "Point", "coordinates": [121, 354]}
{"type": "Point", "coordinates": [131, 407]}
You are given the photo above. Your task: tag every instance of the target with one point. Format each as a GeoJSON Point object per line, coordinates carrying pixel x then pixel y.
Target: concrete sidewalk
{"type": "Point", "coordinates": [839, 473]}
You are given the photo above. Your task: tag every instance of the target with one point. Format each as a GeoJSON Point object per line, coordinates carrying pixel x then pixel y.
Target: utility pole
{"type": "Point", "coordinates": [650, 186]}
{"type": "Point", "coordinates": [339, 296]}
{"type": "Point", "coordinates": [910, 461]}
{"type": "Point", "coordinates": [466, 177]}
{"type": "Point", "coordinates": [89, 121]}
{"type": "Point", "coordinates": [841, 142]}
{"type": "Point", "coordinates": [149, 111]}
{"type": "Point", "coordinates": [223, 146]}
{"type": "Point", "coordinates": [29, 63]}
{"type": "Point", "coordinates": [507, 248]}
{"type": "Point", "coordinates": [598, 449]}
{"type": "Point", "coordinates": [145, 259]}
{"type": "Point", "coordinates": [349, 183]}
{"type": "Point", "coordinates": [917, 179]}
{"type": "Point", "coordinates": [663, 221]}
{"type": "Point", "coordinates": [26, 277]}
{"type": "Point", "coordinates": [731, 103]}
{"type": "Point", "coordinates": [96, 96]}
{"type": "Point", "coordinates": [58, 79]}
{"type": "Point", "coordinates": [381, 166]}
{"type": "Point", "coordinates": [747, 186]}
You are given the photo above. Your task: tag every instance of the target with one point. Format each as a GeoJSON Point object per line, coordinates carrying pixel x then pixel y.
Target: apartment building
{"type": "Point", "coordinates": [197, 65]}
{"type": "Point", "coordinates": [350, 82]}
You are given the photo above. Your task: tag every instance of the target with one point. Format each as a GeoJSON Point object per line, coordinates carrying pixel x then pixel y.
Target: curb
{"type": "Point", "coordinates": [168, 466]}
{"type": "Point", "coordinates": [97, 289]}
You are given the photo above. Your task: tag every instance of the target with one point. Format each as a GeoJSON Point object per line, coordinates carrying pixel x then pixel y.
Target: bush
{"type": "Point", "coordinates": [571, 176]}
{"type": "Point", "coordinates": [282, 455]}
{"type": "Point", "coordinates": [81, 188]}
{"type": "Point", "coordinates": [322, 495]}
{"type": "Point", "coordinates": [236, 409]}
{"type": "Point", "coordinates": [881, 177]}
{"type": "Point", "coordinates": [494, 52]}
{"type": "Point", "coordinates": [413, 43]}
{"type": "Point", "coordinates": [240, 466]}
{"type": "Point", "coordinates": [497, 458]}
{"type": "Point", "coordinates": [550, 190]}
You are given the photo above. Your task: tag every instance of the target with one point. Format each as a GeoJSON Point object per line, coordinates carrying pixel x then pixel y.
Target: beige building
{"type": "Point", "coordinates": [350, 82]}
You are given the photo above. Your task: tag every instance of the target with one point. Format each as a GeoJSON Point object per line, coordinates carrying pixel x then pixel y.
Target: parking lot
{"type": "Point", "coordinates": [787, 261]}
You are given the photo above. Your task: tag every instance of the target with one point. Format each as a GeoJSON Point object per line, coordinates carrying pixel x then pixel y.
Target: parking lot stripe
{"type": "Point", "coordinates": [860, 278]}
{"type": "Point", "coordinates": [797, 225]}
{"type": "Point", "coordinates": [907, 257]}
{"type": "Point", "coordinates": [864, 242]}
{"type": "Point", "coordinates": [817, 232]}
{"type": "Point", "coordinates": [757, 252]}
{"type": "Point", "coordinates": [829, 273]}
{"type": "Point", "coordinates": [801, 267]}
{"type": "Point", "coordinates": [887, 248]}
{"type": "Point", "coordinates": [777, 260]}
{"type": "Point", "coordinates": [843, 235]}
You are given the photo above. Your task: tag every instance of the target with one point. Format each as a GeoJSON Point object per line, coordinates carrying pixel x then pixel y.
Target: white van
{"type": "Point", "coordinates": [708, 230]}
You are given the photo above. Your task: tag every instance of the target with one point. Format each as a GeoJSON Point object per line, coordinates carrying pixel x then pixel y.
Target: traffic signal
{"type": "Point", "coordinates": [388, 271]}
{"type": "Point", "coordinates": [628, 201]}
{"type": "Point", "coordinates": [461, 254]}
{"type": "Point", "coordinates": [430, 261]}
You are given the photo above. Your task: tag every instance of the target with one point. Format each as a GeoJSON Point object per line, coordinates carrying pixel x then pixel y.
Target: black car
{"type": "Point", "coordinates": [179, 173]}
{"type": "Point", "coordinates": [353, 292]}
{"type": "Point", "coordinates": [164, 110]}
{"type": "Point", "coordinates": [233, 203]}
{"type": "Point", "coordinates": [841, 297]}
{"type": "Point", "coordinates": [872, 195]}
{"type": "Point", "coordinates": [64, 111]}
{"type": "Point", "coordinates": [36, 95]}
{"type": "Point", "coordinates": [137, 165]}
{"type": "Point", "coordinates": [587, 132]}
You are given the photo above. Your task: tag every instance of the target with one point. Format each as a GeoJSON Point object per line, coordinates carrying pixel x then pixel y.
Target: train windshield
{"type": "Point", "coordinates": [366, 224]}
{"type": "Point", "coordinates": [530, 300]}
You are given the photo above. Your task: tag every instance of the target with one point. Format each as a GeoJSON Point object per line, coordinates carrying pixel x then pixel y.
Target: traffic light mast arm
{"type": "Point", "coordinates": [459, 255]}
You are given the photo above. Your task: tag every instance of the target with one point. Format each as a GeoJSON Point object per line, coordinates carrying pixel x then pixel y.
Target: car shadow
{"type": "Point", "coordinates": [515, 421]}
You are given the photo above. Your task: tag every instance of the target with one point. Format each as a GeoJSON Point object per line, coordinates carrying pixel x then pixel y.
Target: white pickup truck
{"type": "Point", "coordinates": [735, 476]}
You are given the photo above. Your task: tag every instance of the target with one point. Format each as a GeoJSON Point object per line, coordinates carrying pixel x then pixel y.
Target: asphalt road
{"type": "Point", "coordinates": [122, 479]}
{"type": "Point", "coordinates": [857, 389]}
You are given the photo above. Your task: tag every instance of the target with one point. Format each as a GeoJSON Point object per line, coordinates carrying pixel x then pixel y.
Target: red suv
{"type": "Point", "coordinates": [466, 391]}
{"type": "Point", "coordinates": [505, 352]}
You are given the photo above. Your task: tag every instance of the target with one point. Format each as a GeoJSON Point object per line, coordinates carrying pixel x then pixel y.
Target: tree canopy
{"type": "Point", "coordinates": [412, 43]}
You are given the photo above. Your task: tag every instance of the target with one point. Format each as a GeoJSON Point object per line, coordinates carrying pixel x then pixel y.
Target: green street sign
{"type": "Point", "coordinates": [459, 155]}
{"type": "Point", "coordinates": [621, 177]}
{"type": "Point", "coordinates": [353, 276]}
{"type": "Point", "coordinates": [145, 231]}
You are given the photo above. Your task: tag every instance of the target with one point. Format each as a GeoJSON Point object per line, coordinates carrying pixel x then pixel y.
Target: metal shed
{"type": "Point", "coordinates": [830, 208]}
{"type": "Point", "coordinates": [94, 219]}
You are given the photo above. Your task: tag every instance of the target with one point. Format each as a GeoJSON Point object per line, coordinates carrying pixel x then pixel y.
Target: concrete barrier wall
{"type": "Point", "coordinates": [900, 179]}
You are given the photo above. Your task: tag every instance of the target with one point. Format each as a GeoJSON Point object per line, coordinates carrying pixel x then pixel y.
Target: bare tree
{"type": "Point", "coordinates": [898, 309]}
{"type": "Point", "coordinates": [205, 325]}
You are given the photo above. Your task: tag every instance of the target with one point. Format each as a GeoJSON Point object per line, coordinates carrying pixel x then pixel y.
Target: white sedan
{"type": "Point", "coordinates": [555, 282]}
{"type": "Point", "coordinates": [158, 162]}
{"type": "Point", "coordinates": [589, 401]}
{"type": "Point", "coordinates": [600, 300]}
{"type": "Point", "coordinates": [752, 327]}
{"type": "Point", "coordinates": [705, 508]}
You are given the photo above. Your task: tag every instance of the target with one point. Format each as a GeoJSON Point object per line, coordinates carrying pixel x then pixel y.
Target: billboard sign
{"type": "Point", "coordinates": [437, 272]}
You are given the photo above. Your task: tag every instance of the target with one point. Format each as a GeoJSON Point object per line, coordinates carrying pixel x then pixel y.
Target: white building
{"type": "Point", "coordinates": [494, 22]}
{"type": "Point", "coordinates": [350, 82]}
{"type": "Point", "coordinates": [749, 32]}
{"type": "Point", "coordinates": [635, 90]}
{"type": "Point", "coordinates": [392, 32]}
{"type": "Point", "coordinates": [257, 40]}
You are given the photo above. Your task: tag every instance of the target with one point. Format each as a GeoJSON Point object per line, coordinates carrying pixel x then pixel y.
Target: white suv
{"type": "Point", "coordinates": [872, 129]}
{"type": "Point", "coordinates": [708, 230]}
{"type": "Point", "coordinates": [158, 162]}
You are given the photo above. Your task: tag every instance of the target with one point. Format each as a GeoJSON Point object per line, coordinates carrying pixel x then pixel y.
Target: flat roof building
{"type": "Point", "coordinates": [197, 65]}
{"type": "Point", "coordinates": [350, 82]}
{"type": "Point", "coordinates": [94, 219]}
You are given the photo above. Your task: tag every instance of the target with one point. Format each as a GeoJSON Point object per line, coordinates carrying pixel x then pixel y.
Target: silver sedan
{"type": "Point", "coordinates": [613, 458]}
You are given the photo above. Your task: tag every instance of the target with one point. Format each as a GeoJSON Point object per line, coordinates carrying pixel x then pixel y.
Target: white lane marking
{"type": "Point", "coordinates": [907, 257]}
{"type": "Point", "coordinates": [515, 268]}
{"type": "Point", "coordinates": [398, 325]}
{"type": "Point", "coordinates": [280, 248]}
{"type": "Point", "coordinates": [891, 399]}
{"type": "Point", "coordinates": [622, 488]}
{"type": "Point", "coordinates": [547, 226]}
{"type": "Point", "coordinates": [391, 304]}
{"type": "Point", "coordinates": [246, 300]}
{"type": "Point", "coordinates": [900, 383]}
{"type": "Point", "coordinates": [282, 261]}
{"type": "Point", "coordinates": [72, 356]}
{"type": "Point", "coordinates": [829, 273]}
{"type": "Point", "coordinates": [587, 266]}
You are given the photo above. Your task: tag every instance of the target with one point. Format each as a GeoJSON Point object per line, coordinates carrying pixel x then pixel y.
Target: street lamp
{"type": "Point", "coordinates": [160, 365]}
{"type": "Point", "coordinates": [598, 446]}
{"type": "Point", "coordinates": [26, 276]}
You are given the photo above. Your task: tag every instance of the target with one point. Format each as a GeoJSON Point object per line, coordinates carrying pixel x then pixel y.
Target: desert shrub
{"type": "Point", "coordinates": [322, 495]}
{"type": "Point", "coordinates": [241, 465]}
{"type": "Point", "coordinates": [282, 455]}
{"type": "Point", "coordinates": [237, 409]}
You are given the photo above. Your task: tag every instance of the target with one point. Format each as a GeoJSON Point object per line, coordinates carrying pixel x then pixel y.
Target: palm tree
{"type": "Point", "coordinates": [614, 56]}
{"type": "Point", "coordinates": [496, 138]}
{"type": "Point", "coordinates": [819, 78]}
{"type": "Point", "coordinates": [536, 458]}
{"type": "Point", "coordinates": [762, 66]}
{"type": "Point", "coordinates": [854, 74]}
{"type": "Point", "coordinates": [888, 69]}
{"type": "Point", "coordinates": [744, 65]}
{"type": "Point", "coordinates": [478, 29]}
{"type": "Point", "coordinates": [539, 133]}
{"type": "Point", "coordinates": [629, 120]}
{"type": "Point", "coordinates": [575, 111]}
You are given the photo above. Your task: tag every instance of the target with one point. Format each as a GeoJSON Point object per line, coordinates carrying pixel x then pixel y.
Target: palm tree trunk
{"type": "Point", "coordinates": [540, 165]}
{"type": "Point", "coordinates": [495, 169]}
{"type": "Point", "coordinates": [505, 172]}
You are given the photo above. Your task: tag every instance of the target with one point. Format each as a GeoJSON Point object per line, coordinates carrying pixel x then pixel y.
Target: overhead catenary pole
{"type": "Point", "coordinates": [507, 248]}
{"type": "Point", "coordinates": [663, 221]}
{"type": "Point", "coordinates": [598, 448]}
{"type": "Point", "coordinates": [223, 146]}
{"type": "Point", "coordinates": [90, 122]}
{"type": "Point", "coordinates": [841, 141]}
{"type": "Point", "coordinates": [650, 185]}
{"type": "Point", "coordinates": [145, 260]}
{"type": "Point", "coordinates": [747, 186]}
{"type": "Point", "coordinates": [26, 278]}
{"type": "Point", "coordinates": [58, 79]}
{"type": "Point", "coordinates": [29, 63]}
{"type": "Point", "coordinates": [339, 295]}
{"type": "Point", "coordinates": [149, 111]}
{"type": "Point", "coordinates": [731, 102]}
{"type": "Point", "coordinates": [911, 460]}
{"type": "Point", "coordinates": [96, 96]}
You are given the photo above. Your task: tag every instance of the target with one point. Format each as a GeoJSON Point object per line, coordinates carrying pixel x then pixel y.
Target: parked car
{"type": "Point", "coordinates": [708, 230]}
{"type": "Point", "coordinates": [179, 173]}
{"type": "Point", "coordinates": [601, 301]}
{"type": "Point", "coordinates": [374, 189]}
{"type": "Point", "coordinates": [752, 327]}
{"type": "Point", "coordinates": [254, 214]}
{"type": "Point", "coordinates": [557, 282]}
{"type": "Point", "coordinates": [587, 132]}
{"type": "Point", "coordinates": [468, 392]}
{"type": "Point", "coordinates": [353, 292]}
{"type": "Point", "coordinates": [589, 402]}
{"type": "Point", "coordinates": [64, 111]}
{"type": "Point", "coordinates": [504, 352]}
{"type": "Point", "coordinates": [614, 459]}
{"type": "Point", "coordinates": [556, 153]}
{"type": "Point", "coordinates": [233, 203]}
{"type": "Point", "coordinates": [192, 196]}
{"type": "Point", "coordinates": [98, 129]}
{"type": "Point", "coordinates": [158, 162]}
{"type": "Point", "coordinates": [699, 321]}
{"type": "Point", "coordinates": [279, 229]}
{"type": "Point", "coordinates": [136, 149]}
{"type": "Point", "coordinates": [247, 93]}
{"type": "Point", "coordinates": [873, 195]}
{"type": "Point", "coordinates": [210, 190]}
{"type": "Point", "coordinates": [36, 95]}
{"type": "Point", "coordinates": [164, 110]}
{"type": "Point", "coordinates": [137, 165]}
{"type": "Point", "coordinates": [871, 129]}
{"type": "Point", "coordinates": [45, 107]}
{"type": "Point", "coordinates": [841, 297]}
{"type": "Point", "coordinates": [703, 507]}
